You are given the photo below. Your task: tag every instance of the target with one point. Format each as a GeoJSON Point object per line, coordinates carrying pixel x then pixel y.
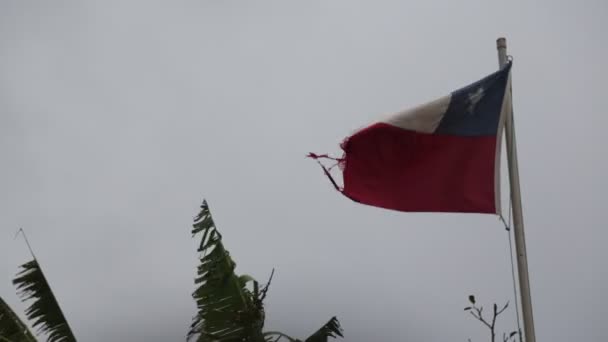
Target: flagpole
{"type": "Point", "coordinates": [518, 220]}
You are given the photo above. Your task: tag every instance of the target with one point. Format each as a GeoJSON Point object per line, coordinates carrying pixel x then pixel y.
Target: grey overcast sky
{"type": "Point", "coordinates": [118, 117]}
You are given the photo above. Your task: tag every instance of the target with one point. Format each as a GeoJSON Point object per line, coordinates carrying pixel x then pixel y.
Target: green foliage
{"type": "Point", "coordinates": [331, 329]}
{"type": "Point", "coordinates": [44, 312]}
{"type": "Point", "coordinates": [11, 327]}
{"type": "Point", "coordinates": [227, 309]}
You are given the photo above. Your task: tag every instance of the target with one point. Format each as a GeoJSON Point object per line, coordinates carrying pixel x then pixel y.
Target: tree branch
{"type": "Point", "coordinates": [481, 319]}
{"type": "Point", "coordinates": [503, 309]}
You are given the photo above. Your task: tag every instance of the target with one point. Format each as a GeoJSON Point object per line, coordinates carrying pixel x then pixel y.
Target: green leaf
{"type": "Point", "coordinates": [472, 299]}
{"type": "Point", "coordinates": [330, 329]}
{"type": "Point", "coordinates": [244, 279]}
{"type": "Point", "coordinates": [275, 336]}
{"type": "Point", "coordinates": [44, 312]}
{"type": "Point", "coordinates": [227, 310]}
{"type": "Point", "coordinates": [11, 327]}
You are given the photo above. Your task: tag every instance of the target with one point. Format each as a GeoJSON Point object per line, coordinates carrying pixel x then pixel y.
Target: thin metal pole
{"type": "Point", "coordinates": [518, 220]}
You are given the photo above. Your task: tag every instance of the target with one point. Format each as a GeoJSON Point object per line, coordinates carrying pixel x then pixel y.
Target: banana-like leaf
{"type": "Point", "coordinates": [44, 313]}
{"type": "Point", "coordinates": [227, 310]}
{"type": "Point", "coordinates": [331, 329]}
{"type": "Point", "coordinates": [11, 327]}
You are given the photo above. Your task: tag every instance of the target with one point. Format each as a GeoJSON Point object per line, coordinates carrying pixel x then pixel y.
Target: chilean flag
{"type": "Point", "coordinates": [442, 156]}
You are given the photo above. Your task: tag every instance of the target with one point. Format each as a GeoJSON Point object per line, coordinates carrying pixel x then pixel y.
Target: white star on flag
{"type": "Point", "coordinates": [474, 98]}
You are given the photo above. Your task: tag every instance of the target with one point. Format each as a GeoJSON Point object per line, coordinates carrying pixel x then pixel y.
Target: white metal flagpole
{"type": "Point", "coordinates": [518, 220]}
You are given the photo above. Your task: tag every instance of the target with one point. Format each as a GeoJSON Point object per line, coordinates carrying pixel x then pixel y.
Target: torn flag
{"type": "Point", "coordinates": [442, 156]}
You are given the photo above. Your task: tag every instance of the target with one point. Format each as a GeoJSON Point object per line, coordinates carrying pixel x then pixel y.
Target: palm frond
{"type": "Point", "coordinates": [330, 329]}
{"type": "Point", "coordinates": [44, 313]}
{"type": "Point", "coordinates": [227, 309]}
{"type": "Point", "coordinates": [277, 336]}
{"type": "Point", "coordinates": [12, 327]}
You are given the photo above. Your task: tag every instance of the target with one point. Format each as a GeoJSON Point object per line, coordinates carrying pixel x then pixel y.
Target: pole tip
{"type": "Point", "coordinates": [501, 43]}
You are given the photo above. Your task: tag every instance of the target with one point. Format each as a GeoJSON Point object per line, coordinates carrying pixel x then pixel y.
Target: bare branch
{"type": "Point", "coordinates": [503, 309]}
{"type": "Point", "coordinates": [481, 319]}
{"type": "Point", "coordinates": [477, 313]}
{"type": "Point", "coordinates": [265, 289]}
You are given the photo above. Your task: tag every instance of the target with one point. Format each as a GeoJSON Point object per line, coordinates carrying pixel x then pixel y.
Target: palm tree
{"type": "Point", "coordinates": [230, 307]}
